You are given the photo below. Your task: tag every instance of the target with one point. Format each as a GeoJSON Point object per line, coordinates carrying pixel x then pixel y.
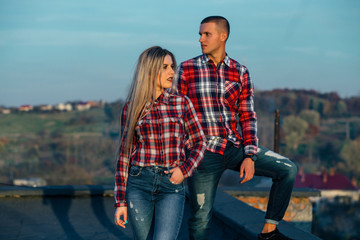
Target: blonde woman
{"type": "Point", "coordinates": [156, 125]}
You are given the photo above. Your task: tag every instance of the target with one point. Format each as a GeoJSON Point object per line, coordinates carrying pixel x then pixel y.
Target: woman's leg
{"type": "Point", "coordinates": [140, 205]}
{"type": "Point", "coordinates": [169, 209]}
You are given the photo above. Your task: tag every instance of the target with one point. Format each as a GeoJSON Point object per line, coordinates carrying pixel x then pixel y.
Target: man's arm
{"type": "Point", "coordinates": [247, 114]}
{"type": "Point", "coordinates": [181, 80]}
{"type": "Point", "coordinates": [248, 123]}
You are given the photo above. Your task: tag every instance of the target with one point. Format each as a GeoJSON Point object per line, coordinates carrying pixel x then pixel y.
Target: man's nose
{"type": "Point", "coordinates": [201, 39]}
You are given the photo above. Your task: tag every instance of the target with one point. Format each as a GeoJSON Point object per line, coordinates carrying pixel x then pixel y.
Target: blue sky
{"type": "Point", "coordinates": [64, 50]}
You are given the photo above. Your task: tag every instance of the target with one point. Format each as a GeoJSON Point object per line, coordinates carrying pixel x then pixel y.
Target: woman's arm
{"type": "Point", "coordinates": [122, 166]}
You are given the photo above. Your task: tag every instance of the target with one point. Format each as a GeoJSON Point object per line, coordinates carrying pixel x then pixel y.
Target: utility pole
{"type": "Point", "coordinates": [277, 131]}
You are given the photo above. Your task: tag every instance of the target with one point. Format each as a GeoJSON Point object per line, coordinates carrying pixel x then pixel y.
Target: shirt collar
{"type": "Point", "coordinates": [164, 97]}
{"type": "Point", "coordinates": [205, 59]}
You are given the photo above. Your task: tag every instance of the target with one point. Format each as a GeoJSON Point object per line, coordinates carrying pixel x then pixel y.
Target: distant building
{"type": "Point", "coordinates": [5, 111]}
{"type": "Point", "coordinates": [331, 185]}
{"type": "Point", "coordinates": [46, 108]}
{"type": "Point", "coordinates": [324, 181]}
{"type": "Point", "coordinates": [93, 104]}
{"type": "Point", "coordinates": [102, 103]}
{"type": "Point", "coordinates": [30, 182]}
{"type": "Point", "coordinates": [82, 106]}
{"type": "Point", "coordinates": [64, 107]}
{"type": "Point", "coordinates": [25, 108]}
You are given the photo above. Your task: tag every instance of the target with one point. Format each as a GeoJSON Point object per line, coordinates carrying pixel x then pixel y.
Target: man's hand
{"type": "Point", "coordinates": [120, 211]}
{"type": "Point", "coordinates": [177, 177]}
{"type": "Point", "coordinates": [248, 167]}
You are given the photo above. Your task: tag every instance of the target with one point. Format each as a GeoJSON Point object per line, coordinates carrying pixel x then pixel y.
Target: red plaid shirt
{"type": "Point", "coordinates": [161, 136]}
{"type": "Point", "coordinates": [220, 95]}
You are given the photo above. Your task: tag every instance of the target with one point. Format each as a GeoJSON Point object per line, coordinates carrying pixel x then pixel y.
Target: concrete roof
{"type": "Point", "coordinates": [86, 212]}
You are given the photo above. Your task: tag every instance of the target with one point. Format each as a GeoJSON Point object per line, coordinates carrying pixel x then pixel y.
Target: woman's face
{"type": "Point", "coordinates": [166, 77]}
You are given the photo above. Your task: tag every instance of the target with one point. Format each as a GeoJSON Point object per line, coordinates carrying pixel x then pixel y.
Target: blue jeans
{"type": "Point", "coordinates": [155, 205]}
{"type": "Point", "coordinates": [203, 185]}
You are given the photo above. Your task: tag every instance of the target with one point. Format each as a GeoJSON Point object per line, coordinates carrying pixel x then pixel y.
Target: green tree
{"type": "Point", "coordinates": [295, 129]}
{"type": "Point", "coordinates": [351, 155]}
{"type": "Point", "coordinates": [311, 117]}
{"type": "Point", "coordinates": [341, 107]}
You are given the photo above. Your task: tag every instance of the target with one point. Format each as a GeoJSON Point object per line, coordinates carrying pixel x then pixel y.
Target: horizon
{"type": "Point", "coordinates": [60, 51]}
{"type": "Point", "coordinates": [122, 99]}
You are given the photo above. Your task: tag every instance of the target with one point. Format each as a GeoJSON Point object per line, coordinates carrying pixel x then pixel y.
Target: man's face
{"type": "Point", "coordinates": [210, 38]}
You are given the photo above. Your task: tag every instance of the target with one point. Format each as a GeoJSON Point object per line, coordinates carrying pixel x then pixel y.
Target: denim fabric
{"type": "Point", "coordinates": [203, 185]}
{"type": "Point", "coordinates": [155, 205]}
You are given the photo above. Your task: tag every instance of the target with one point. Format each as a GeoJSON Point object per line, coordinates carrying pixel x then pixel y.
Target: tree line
{"type": "Point", "coordinates": [318, 131]}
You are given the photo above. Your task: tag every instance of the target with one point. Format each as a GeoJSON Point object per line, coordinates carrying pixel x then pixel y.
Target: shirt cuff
{"type": "Point", "coordinates": [250, 150]}
{"type": "Point", "coordinates": [184, 172]}
{"type": "Point", "coordinates": [120, 204]}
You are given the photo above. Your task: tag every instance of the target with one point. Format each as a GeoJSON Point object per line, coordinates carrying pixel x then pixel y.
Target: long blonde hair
{"type": "Point", "coordinates": [143, 89]}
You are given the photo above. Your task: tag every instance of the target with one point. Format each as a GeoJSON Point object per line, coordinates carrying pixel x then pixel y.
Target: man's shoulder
{"type": "Point", "coordinates": [193, 61]}
{"type": "Point", "coordinates": [232, 63]}
{"type": "Point", "coordinates": [235, 63]}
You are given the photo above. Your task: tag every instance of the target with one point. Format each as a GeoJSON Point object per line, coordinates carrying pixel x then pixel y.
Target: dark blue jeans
{"type": "Point", "coordinates": [203, 185]}
{"type": "Point", "coordinates": [155, 205]}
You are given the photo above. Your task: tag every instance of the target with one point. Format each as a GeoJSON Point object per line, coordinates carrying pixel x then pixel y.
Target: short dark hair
{"type": "Point", "coordinates": [223, 22]}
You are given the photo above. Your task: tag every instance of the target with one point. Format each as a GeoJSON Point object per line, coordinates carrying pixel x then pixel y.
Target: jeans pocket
{"type": "Point", "coordinates": [135, 171]}
{"type": "Point", "coordinates": [177, 186]}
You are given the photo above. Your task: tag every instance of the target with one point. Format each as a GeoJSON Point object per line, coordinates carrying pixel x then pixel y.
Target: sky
{"type": "Point", "coordinates": [70, 50]}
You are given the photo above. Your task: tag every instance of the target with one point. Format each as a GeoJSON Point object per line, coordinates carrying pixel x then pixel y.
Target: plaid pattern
{"type": "Point", "coordinates": [220, 95]}
{"type": "Point", "coordinates": [161, 136]}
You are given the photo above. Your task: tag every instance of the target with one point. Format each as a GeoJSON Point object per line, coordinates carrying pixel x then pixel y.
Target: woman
{"type": "Point", "coordinates": [156, 124]}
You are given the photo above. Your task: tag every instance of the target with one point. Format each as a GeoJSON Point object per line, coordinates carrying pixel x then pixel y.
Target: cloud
{"type": "Point", "coordinates": [35, 37]}
{"type": "Point", "coordinates": [97, 20]}
{"type": "Point", "coordinates": [336, 54]}
{"type": "Point", "coordinates": [317, 51]}
{"type": "Point", "coordinates": [307, 50]}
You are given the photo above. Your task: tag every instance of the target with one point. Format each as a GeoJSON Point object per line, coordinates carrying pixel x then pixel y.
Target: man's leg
{"type": "Point", "coordinates": [202, 187]}
{"type": "Point", "coordinates": [283, 173]}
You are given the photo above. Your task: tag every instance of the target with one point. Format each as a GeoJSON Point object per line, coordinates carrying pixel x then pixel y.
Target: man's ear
{"type": "Point", "coordinates": [223, 36]}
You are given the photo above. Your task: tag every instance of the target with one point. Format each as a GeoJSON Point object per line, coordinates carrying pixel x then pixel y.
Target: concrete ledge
{"type": "Point", "coordinates": [251, 191]}
{"type": "Point", "coordinates": [48, 191]}
{"type": "Point", "coordinates": [246, 222]}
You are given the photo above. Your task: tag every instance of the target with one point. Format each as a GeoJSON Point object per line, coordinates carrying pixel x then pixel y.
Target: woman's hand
{"type": "Point", "coordinates": [177, 177]}
{"type": "Point", "coordinates": [120, 211]}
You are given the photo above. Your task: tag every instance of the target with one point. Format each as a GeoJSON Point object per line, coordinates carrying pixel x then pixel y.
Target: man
{"type": "Point", "coordinates": [222, 92]}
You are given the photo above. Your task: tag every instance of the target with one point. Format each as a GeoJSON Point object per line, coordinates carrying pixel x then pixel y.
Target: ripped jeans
{"type": "Point", "coordinates": [203, 185]}
{"type": "Point", "coordinates": [155, 205]}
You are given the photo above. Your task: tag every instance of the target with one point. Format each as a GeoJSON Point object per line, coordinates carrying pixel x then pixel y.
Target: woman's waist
{"type": "Point", "coordinates": [154, 169]}
{"type": "Point", "coordinates": [154, 164]}
{"type": "Point", "coordinates": [147, 156]}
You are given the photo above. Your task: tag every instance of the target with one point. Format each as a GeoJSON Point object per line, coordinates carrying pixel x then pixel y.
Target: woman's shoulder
{"type": "Point", "coordinates": [178, 97]}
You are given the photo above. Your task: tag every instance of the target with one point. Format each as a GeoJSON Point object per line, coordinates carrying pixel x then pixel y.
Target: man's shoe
{"type": "Point", "coordinates": [274, 235]}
